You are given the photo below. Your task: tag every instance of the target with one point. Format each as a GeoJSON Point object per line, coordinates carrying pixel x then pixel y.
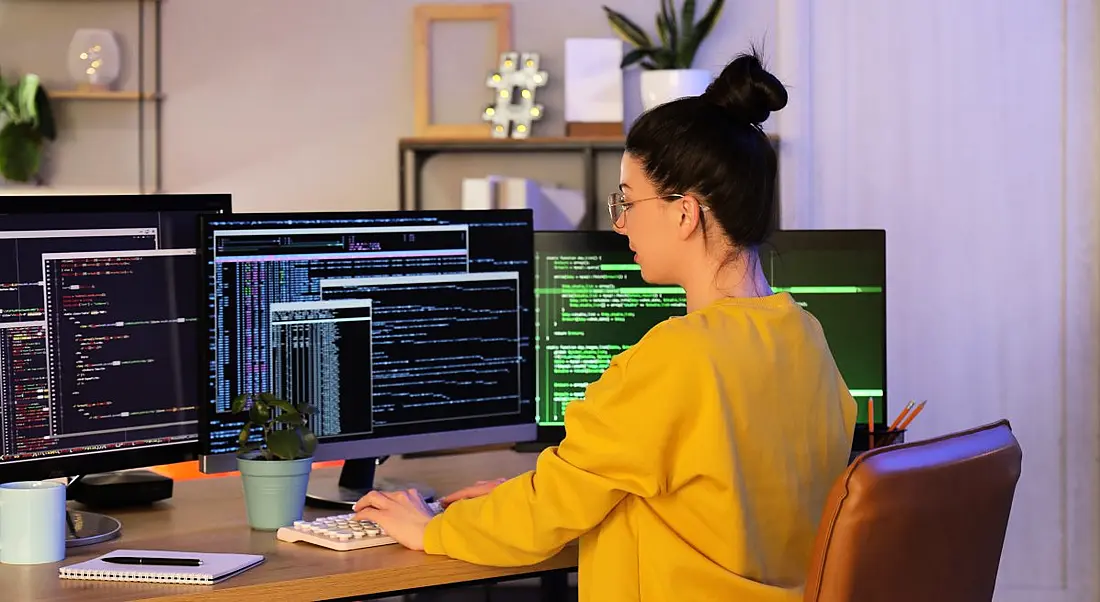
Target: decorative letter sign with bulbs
{"type": "Point", "coordinates": [515, 83]}
{"type": "Point", "coordinates": [94, 59]}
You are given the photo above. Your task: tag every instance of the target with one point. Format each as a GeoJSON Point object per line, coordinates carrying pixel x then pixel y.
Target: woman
{"type": "Point", "coordinates": [697, 466]}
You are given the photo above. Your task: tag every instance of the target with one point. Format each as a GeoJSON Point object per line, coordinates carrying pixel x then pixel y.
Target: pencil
{"type": "Point", "coordinates": [904, 412]}
{"type": "Point", "coordinates": [916, 411]}
{"type": "Point", "coordinates": [870, 423]}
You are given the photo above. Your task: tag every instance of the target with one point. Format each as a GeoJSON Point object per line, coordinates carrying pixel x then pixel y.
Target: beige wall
{"type": "Point", "coordinates": [298, 104]}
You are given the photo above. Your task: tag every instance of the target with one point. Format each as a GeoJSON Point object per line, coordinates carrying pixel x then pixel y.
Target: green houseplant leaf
{"type": "Point", "coordinates": [284, 444]}
{"type": "Point", "coordinates": [26, 122]}
{"type": "Point", "coordinates": [679, 35]}
{"type": "Point", "coordinates": [667, 18]}
{"type": "Point", "coordinates": [701, 30]}
{"type": "Point", "coordinates": [627, 30]}
{"type": "Point", "coordinates": [284, 427]}
{"type": "Point", "coordinates": [46, 124]}
{"type": "Point", "coordinates": [635, 56]}
{"type": "Point", "coordinates": [687, 22]}
{"type": "Point", "coordinates": [20, 151]}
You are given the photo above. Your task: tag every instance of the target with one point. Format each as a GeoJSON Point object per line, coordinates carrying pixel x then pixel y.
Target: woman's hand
{"type": "Point", "coordinates": [403, 515]}
{"type": "Point", "coordinates": [476, 490]}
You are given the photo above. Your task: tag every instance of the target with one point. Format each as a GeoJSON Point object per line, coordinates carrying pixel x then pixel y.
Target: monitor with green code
{"type": "Point", "coordinates": [592, 304]}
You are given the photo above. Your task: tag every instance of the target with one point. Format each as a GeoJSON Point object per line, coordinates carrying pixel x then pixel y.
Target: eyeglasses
{"type": "Point", "coordinates": [617, 205]}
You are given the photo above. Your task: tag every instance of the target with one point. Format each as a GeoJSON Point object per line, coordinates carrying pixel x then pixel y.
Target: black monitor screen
{"type": "Point", "coordinates": [592, 304]}
{"type": "Point", "coordinates": [98, 332]}
{"type": "Point", "coordinates": [389, 324]}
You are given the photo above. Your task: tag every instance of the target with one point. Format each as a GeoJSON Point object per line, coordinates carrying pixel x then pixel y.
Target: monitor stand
{"type": "Point", "coordinates": [357, 477]}
{"type": "Point", "coordinates": [109, 490]}
{"type": "Point", "coordinates": [87, 528]}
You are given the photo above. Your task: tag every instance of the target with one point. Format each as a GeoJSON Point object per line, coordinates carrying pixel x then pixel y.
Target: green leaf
{"type": "Point", "coordinates": [309, 441]}
{"type": "Point", "coordinates": [282, 404]}
{"type": "Point", "coordinates": [259, 413]}
{"type": "Point", "coordinates": [20, 151]}
{"type": "Point", "coordinates": [701, 31]}
{"type": "Point", "coordinates": [26, 90]}
{"type": "Point", "coordinates": [687, 20]}
{"type": "Point", "coordinates": [238, 404]}
{"type": "Point", "coordinates": [634, 56]}
{"type": "Point", "coordinates": [47, 126]}
{"type": "Point", "coordinates": [266, 397]}
{"type": "Point", "coordinates": [662, 29]}
{"type": "Point", "coordinates": [8, 107]}
{"type": "Point", "coordinates": [292, 418]}
{"type": "Point", "coordinates": [307, 409]}
{"type": "Point", "coordinates": [284, 444]}
{"type": "Point", "coordinates": [668, 12]}
{"type": "Point", "coordinates": [664, 58]}
{"type": "Point", "coordinates": [242, 438]}
{"type": "Point", "coordinates": [626, 29]}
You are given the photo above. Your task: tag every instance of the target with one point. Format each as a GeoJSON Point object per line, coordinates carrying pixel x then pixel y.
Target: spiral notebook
{"type": "Point", "coordinates": [213, 568]}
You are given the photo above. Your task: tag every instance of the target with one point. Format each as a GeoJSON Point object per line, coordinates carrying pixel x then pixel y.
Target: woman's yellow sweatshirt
{"type": "Point", "coordinates": [695, 468]}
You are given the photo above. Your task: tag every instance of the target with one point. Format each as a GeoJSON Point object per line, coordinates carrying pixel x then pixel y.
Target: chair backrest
{"type": "Point", "coordinates": [921, 521]}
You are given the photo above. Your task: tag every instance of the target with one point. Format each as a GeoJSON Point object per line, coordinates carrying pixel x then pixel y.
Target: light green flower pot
{"type": "Point", "coordinates": [274, 491]}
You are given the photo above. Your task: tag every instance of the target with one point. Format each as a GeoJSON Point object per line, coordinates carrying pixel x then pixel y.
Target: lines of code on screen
{"type": "Point", "coordinates": [593, 305]}
{"type": "Point", "coordinates": [96, 310]}
{"type": "Point", "coordinates": [590, 308]}
{"type": "Point", "coordinates": [320, 355]}
{"type": "Point", "coordinates": [440, 340]}
{"type": "Point", "coordinates": [103, 331]}
{"type": "Point", "coordinates": [443, 346]}
{"type": "Point", "coordinates": [255, 270]}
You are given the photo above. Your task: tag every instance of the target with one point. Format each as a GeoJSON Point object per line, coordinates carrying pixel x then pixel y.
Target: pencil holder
{"type": "Point", "coordinates": [863, 440]}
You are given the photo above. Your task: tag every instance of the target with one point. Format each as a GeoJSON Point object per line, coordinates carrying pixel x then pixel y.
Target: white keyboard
{"type": "Point", "coordinates": [341, 532]}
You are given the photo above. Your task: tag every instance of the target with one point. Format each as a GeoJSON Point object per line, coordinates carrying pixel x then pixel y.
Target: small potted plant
{"type": "Point", "coordinates": [275, 473]}
{"type": "Point", "coordinates": [668, 73]}
{"type": "Point", "coordinates": [26, 123]}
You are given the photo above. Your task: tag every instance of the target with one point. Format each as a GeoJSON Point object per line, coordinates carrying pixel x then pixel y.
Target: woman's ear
{"type": "Point", "coordinates": [691, 215]}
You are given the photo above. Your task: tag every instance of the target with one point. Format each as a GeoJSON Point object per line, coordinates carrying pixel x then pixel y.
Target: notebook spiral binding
{"type": "Point", "coordinates": [159, 577]}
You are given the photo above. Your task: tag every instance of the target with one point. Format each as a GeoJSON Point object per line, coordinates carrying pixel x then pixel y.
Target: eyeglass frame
{"type": "Point", "coordinates": [612, 204]}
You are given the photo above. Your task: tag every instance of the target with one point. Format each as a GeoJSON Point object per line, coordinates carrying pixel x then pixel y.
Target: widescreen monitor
{"type": "Point", "coordinates": [592, 304]}
{"type": "Point", "coordinates": [407, 331]}
{"type": "Point", "coordinates": [99, 332]}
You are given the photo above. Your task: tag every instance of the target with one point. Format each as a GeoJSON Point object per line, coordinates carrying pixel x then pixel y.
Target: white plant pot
{"type": "Point", "coordinates": [663, 85]}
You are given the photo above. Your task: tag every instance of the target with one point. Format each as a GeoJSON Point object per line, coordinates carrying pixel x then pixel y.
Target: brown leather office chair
{"type": "Point", "coordinates": [918, 522]}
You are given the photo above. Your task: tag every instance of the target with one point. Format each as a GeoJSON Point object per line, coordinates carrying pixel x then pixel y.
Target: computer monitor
{"type": "Point", "coordinates": [592, 304]}
{"type": "Point", "coordinates": [99, 336]}
{"type": "Point", "coordinates": [408, 331]}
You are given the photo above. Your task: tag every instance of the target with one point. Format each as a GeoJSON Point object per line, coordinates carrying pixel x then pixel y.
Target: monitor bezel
{"type": "Point", "coordinates": [524, 430]}
{"type": "Point", "coordinates": [117, 459]}
{"type": "Point", "coordinates": [869, 239]}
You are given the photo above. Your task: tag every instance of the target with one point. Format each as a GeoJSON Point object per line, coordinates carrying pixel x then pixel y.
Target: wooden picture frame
{"type": "Point", "coordinates": [500, 14]}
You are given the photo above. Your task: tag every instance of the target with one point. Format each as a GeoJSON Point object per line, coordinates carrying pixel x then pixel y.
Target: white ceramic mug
{"type": "Point", "coordinates": [32, 522]}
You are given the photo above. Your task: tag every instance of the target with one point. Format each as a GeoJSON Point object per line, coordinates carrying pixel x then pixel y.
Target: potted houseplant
{"type": "Point", "coordinates": [275, 473]}
{"type": "Point", "coordinates": [26, 123]}
{"type": "Point", "coordinates": [667, 65]}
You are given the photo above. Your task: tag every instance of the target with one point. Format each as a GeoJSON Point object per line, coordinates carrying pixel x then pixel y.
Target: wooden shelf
{"type": "Point", "coordinates": [31, 190]}
{"type": "Point", "coordinates": [108, 95]}
{"type": "Point", "coordinates": [414, 152]}
{"type": "Point", "coordinates": [556, 143]}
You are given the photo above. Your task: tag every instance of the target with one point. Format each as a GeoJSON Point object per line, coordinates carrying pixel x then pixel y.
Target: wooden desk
{"type": "Point", "coordinates": [208, 515]}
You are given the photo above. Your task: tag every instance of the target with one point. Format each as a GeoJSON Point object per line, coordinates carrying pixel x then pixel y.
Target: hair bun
{"type": "Point", "coordinates": [746, 90]}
